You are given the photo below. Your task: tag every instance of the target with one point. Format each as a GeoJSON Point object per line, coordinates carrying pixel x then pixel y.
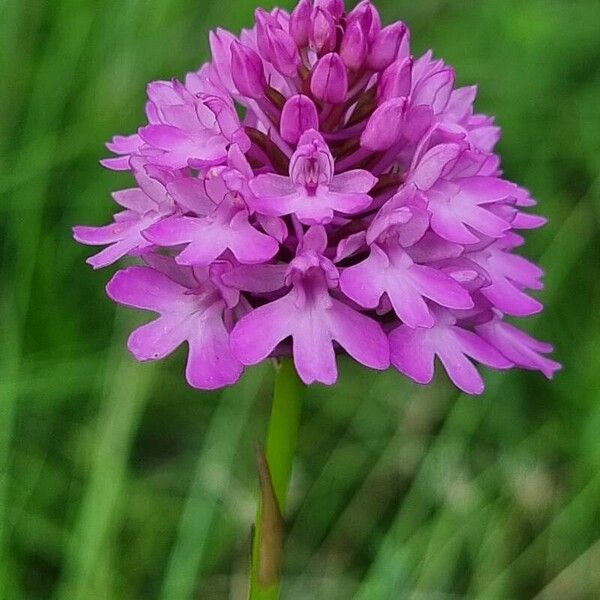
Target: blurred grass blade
{"type": "Point", "coordinates": [185, 566]}
{"type": "Point", "coordinates": [128, 387]}
{"type": "Point", "coordinates": [9, 376]}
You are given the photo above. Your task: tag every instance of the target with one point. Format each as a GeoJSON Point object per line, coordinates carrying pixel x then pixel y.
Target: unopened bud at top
{"type": "Point", "coordinates": [276, 45]}
{"type": "Point", "coordinates": [329, 82]}
{"type": "Point", "coordinates": [323, 32]}
{"type": "Point", "coordinates": [299, 114]}
{"type": "Point", "coordinates": [367, 17]}
{"type": "Point", "coordinates": [335, 7]}
{"type": "Point", "coordinates": [247, 71]}
{"type": "Point", "coordinates": [389, 44]}
{"type": "Point", "coordinates": [300, 23]}
{"type": "Point", "coordinates": [220, 45]}
{"type": "Point", "coordinates": [354, 47]}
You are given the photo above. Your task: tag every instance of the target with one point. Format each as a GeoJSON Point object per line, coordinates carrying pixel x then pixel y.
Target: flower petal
{"type": "Point", "coordinates": [412, 353]}
{"type": "Point", "coordinates": [279, 206]}
{"type": "Point", "coordinates": [365, 282]}
{"type": "Point", "coordinates": [482, 190]}
{"type": "Point", "coordinates": [146, 288]}
{"type": "Point", "coordinates": [448, 225]}
{"type": "Point", "coordinates": [121, 163]}
{"type": "Point", "coordinates": [134, 199]}
{"type": "Point", "coordinates": [524, 350]}
{"type": "Point", "coordinates": [114, 252]}
{"type": "Point", "coordinates": [204, 249]}
{"type": "Point", "coordinates": [478, 218]}
{"type": "Point", "coordinates": [509, 299]}
{"type": "Point", "coordinates": [256, 334]}
{"type": "Point", "coordinates": [98, 236]}
{"type": "Point", "coordinates": [190, 194]}
{"type": "Point", "coordinates": [408, 303]}
{"type": "Point", "coordinates": [270, 185]}
{"type": "Point", "coordinates": [312, 348]}
{"type": "Point", "coordinates": [459, 368]}
{"type": "Point", "coordinates": [477, 348]}
{"type": "Point", "coordinates": [165, 137]}
{"type": "Point", "coordinates": [173, 231]}
{"type": "Point", "coordinates": [345, 202]}
{"type": "Point", "coordinates": [430, 167]}
{"type": "Point", "coordinates": [362, 337]}
{"type": "Point", "coordinates": [358, 181]}
{"type": "Point", "coordinates": [440, 288]}
{"type": "Point", "coordinates": [249, 245]}
{"type": "Point", "coordinates": [211, 364]}
{"type": "Point", "coordinates": [160, 337]}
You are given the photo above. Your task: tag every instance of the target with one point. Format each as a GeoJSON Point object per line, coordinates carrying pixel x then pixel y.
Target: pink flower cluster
{"type": "Point", "coordinates": [356, 206]}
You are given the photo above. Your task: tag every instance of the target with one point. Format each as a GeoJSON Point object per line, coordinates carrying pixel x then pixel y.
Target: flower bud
{"type": "Point", "coordinates": [298, 115]}
{"type": "Point", "coordinates": [354, 47]}
{"type": "Point", "coordinates": [247, 71]}
{"type": "Point", "coordinates": [334, 7]}
{"type": "Point", "coordinates": [329, 82]}
{"type": "Point", "coordinates": [281, 16]}
{"type": "Point", "coordinates": [220, 46]}
{"type": "Point", "coordinates": [300, 23]}
{"type": "Point", "coordinates": [368, 19]}
{"type": "Point", "coordinates": [384, 128]}
{"type": "Point", "coordinates": [396, 80]}
{"type": "Point", "coordinates": [323, 32]}
{"type": "Point", "coordinates": [386, 46]}
{"type": "Point", "coordinates": [276, 45]}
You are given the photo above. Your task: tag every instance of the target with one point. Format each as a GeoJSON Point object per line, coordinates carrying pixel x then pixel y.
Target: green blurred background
{"type": "Point", "coordinates": [117, 481]}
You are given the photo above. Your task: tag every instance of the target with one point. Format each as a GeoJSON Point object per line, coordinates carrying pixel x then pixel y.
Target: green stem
{"type": "Point", "coordinates": [275, 475]}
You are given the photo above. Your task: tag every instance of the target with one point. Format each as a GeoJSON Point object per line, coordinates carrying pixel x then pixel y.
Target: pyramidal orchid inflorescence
{"type": "Point", "coordinates": [356, 206]}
